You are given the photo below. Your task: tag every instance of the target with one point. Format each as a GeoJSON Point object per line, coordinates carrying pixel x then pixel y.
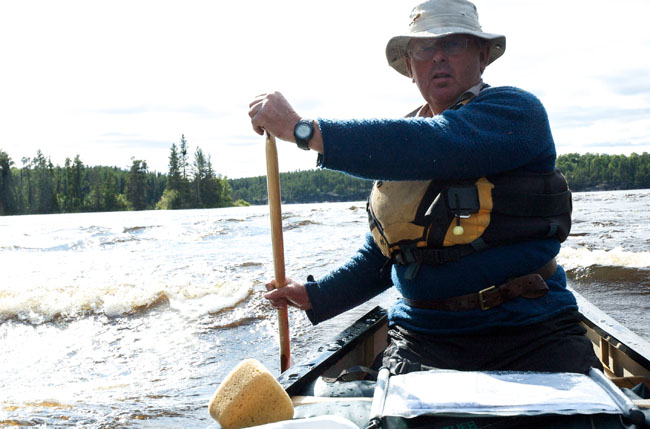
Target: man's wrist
{"type": "Point", "coordinates": [303, 132]}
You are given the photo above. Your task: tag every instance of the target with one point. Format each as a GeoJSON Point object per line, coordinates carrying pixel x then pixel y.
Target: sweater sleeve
{"type": "Point", "coordinates": [364, 276]}
{"type": "Point", "coordinates": [502, 129]}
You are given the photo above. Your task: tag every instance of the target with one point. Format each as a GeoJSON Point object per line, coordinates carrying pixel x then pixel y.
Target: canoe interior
{"type": "Point", "coordinates": [625, 355]}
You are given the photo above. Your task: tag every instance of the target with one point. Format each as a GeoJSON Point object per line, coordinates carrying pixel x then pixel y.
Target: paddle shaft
{"type": "Point", "coordinates": [273, 189]}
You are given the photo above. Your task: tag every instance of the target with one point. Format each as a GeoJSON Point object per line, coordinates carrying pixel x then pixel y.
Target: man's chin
{"type": "Point", "coordinates": [444, 94]}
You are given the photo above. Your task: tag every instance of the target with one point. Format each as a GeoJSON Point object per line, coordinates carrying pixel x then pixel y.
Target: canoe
{"type": "Point", "coordinates": [625, 357]}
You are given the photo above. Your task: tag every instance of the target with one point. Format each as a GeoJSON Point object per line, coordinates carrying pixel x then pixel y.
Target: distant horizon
{"type": "Point", "coordinates": [216, 171]}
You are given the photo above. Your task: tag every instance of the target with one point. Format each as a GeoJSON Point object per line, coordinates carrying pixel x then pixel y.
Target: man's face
{"type": "Point", "coordinates": [444, 68]}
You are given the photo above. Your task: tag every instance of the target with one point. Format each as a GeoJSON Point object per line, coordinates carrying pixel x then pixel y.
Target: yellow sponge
{"type": "Point", "coordinates": [250, 396]}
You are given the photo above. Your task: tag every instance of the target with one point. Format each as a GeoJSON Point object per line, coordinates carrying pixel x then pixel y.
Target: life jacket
{"type": "Point", "coordinates": [435, 222]}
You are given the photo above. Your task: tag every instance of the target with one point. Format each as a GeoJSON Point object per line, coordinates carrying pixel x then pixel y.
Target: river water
{"type": "Point", "coordinates": [133, 318]}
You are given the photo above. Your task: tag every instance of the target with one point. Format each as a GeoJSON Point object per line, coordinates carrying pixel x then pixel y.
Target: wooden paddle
{"type": "Point", "coordinates": [273, 189]}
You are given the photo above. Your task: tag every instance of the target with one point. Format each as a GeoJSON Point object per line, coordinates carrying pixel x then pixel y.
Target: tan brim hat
{"type": "Point", "coordinates": [440, 18]}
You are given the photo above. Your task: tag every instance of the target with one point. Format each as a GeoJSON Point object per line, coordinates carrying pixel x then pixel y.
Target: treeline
{"type": "Point", "coordinates": [583, 172]}
{"type": "Point", "coordinates": [596, 172]}
{"type": "Point", "coordinates": [39, 187]}
{"type": "Point", "coordinates": [309, 186]}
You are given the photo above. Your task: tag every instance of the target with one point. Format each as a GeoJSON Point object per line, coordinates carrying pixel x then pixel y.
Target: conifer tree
{"type": "Point", "coordinates": [136, 184]}
{"type": "Point", "coordinates": [44, 186]}
{"type": "Point", "coordinates": [7, 198]}
{"type": "Point", "coordinates": [174, 176]}
{"type": "Point", "coordinates": [199, 176]}
{"type": "Point", "coordinates": [109, 192]}
{"type": "Point", "coordinates": [183, 162]}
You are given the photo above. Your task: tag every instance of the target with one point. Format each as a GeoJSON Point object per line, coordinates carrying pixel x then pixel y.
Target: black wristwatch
{"type": "Point", "coordinates": [303, 132]}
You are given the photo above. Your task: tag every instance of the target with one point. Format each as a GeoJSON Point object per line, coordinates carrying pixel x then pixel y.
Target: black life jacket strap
{"type": "Point", "coordinates": [531, 205]}
{"type": "Point", "coordinates": [413, 255]}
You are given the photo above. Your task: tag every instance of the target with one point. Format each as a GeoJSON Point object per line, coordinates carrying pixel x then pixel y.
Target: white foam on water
{"type": "Point", "coordinates": [50, 285]}
{"type": "Point", "coordinates": [195, 301]}
{"type": "Point", "coordinates": [573, 258]}
{"type": "Point", "coordinates": [43, 304]}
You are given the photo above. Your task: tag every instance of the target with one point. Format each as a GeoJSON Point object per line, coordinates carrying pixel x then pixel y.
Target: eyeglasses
{"type": "Point", "coordinates": [425, 49]}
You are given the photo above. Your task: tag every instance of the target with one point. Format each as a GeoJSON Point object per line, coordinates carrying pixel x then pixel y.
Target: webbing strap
{"type": "Point", "coordinates": [532, 205]}
{"type": "Point", "coordinates": [410, 255]}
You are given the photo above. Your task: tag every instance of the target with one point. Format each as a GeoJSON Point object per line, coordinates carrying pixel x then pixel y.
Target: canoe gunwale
{"type": "Point", "coordinates": [623, 353]}
{"type": "Point", "coordinates": [298, 377]}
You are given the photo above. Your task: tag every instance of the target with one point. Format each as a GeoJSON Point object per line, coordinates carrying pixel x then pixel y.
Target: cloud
{"type": "Point", "coordinates": [197, 110]}
{"type": "Point", "coordinates": [633, 82]}
{"type": "Point", "coordinates": [627, 145]}
{"type": "Point", "coordinates": [589, 115]}
{"type": "Point", "coordinates": [242, 141]}
{"type": "Point", "coordinates": [137, 143]}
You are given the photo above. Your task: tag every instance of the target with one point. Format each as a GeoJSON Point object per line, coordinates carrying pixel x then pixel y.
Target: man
{"type": "Point", "coordinates": [467, 213]}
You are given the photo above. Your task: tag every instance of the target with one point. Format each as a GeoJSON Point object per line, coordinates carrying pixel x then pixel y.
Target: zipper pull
{"type": "Point", "coordinates": [458, 230]}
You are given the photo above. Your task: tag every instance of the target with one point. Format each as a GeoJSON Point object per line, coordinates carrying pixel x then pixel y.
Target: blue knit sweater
{"type": "Point", "coordinates": [502, 129]}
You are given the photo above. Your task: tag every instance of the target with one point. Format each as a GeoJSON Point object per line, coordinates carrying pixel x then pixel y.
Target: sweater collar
{"type": "Point", "coordinates": [425, 111]}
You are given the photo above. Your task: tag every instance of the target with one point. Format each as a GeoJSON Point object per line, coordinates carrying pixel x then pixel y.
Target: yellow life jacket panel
{"type": "Point", "coordinates": [435, 223]}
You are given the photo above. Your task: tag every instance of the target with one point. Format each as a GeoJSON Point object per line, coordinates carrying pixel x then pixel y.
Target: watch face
{"type": "Point", "coordinates": [303, 131]}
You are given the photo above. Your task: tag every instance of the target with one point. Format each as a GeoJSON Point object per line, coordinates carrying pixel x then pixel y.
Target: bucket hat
{"type": "Point", "coordinates": [440, 18]}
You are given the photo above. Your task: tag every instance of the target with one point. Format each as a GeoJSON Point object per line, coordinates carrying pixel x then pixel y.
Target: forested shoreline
{"type": "Point", "coordinates": [39, 187]}
{"type": "Point", "coordinates": [588, 172]}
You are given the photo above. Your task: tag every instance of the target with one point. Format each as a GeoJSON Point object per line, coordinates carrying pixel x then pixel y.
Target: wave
{"type": "Point", "coordinates": [575, 258]}
{"type": "Point", "coordinates": [95, 230]}
{"type": "Point", "coordinates": [138, 229]}
{"type": "Point", "coordinates": [215, 234]}
{"type": "Point", "coordinates": [64, 244]}
{"type": "Point", "coordinates": [45, 247]}
{"type": "Point", "coordinates": [607, 267]}
{"type": "Point", "coordinates": [224, 296]}
{"type": "Point", "coordinates": [61, 304]}
{"type": "Point", "coordinates": [634, 279]}
{"type": "Point", "coordinates": [249, 264]}
{"type": "Point", "coordinates": [298, 224]}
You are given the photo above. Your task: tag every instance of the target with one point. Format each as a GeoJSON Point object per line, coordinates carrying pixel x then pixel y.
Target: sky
{"type": "Point", "coordinates": [117, 80]}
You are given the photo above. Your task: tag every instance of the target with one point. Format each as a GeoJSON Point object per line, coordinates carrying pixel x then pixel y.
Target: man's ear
{"type": "Point", "coordinates": [484, 56]}
{"type": "Point", "coordinates": [408, 67]}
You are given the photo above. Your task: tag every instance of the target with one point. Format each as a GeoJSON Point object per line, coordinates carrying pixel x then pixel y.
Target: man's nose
{"type": "Point", "coordinates": [439, 55]}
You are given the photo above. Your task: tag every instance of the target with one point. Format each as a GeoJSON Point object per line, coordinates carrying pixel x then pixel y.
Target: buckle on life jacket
{"type": "Point", "coordinates": [407, 255]}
